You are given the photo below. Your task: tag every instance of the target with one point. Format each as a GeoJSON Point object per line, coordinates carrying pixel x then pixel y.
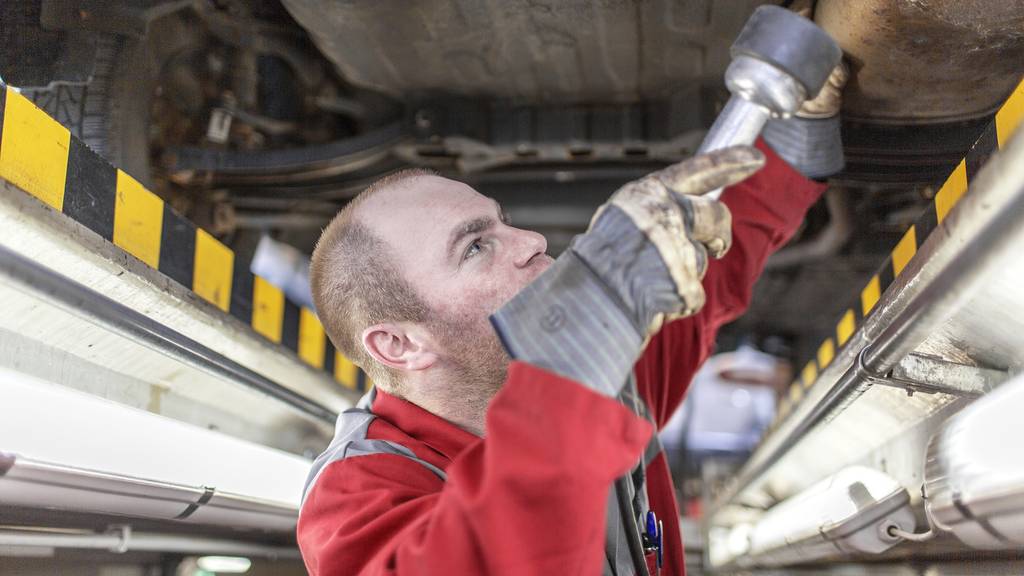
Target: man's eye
{"type": "Point", "coordinates": [474, 248]}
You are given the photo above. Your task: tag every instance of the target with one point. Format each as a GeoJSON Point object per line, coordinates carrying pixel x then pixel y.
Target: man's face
{"type": "Point", "coordinates": [456, 249]}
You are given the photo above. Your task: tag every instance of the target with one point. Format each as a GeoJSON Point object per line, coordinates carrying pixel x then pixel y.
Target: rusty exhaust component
{"type": "Point", "coordinates": [923, 61]}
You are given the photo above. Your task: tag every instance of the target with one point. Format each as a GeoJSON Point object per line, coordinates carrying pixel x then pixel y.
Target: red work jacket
{"type": "Point", "coordinates": [529, 498]}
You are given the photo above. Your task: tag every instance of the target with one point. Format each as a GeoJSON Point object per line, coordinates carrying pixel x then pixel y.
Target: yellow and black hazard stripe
{"type": "Point", "coordinates": [41, 157]}
{"type": "Point", "coordinates": [1009, 117]}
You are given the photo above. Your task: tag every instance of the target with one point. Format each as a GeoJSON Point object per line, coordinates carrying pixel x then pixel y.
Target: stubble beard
{"type": "Point", "coordinates": [476, 367]}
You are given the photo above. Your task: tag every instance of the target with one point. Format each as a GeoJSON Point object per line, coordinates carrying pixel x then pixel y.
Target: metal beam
{"type": "Point", "coordinates": [33, 278]}
{"type": "Point", "coordinates": [121, 539]}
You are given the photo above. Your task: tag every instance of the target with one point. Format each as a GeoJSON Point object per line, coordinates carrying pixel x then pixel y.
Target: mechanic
{"type": "Point", "coordinates": [510, 427]}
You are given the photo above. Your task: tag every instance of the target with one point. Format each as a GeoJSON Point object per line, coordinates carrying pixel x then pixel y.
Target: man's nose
{"type": "Point", "coordinates": [527, 245]}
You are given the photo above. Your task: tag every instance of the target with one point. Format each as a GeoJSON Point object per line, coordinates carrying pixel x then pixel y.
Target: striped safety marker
{"type": "Point", "coordinates": [996, 135]}
{"type": "Point", "coordinates": [41, 157]}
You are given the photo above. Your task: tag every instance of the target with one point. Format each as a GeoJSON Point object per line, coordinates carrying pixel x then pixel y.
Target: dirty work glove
{"type": "Point", "coordinates": [640, 264]}
{"type": "Point", "coordinates": [810, 140]}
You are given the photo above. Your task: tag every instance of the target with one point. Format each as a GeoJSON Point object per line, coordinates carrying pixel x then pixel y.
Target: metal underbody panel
{"type": "Point", "coordinates": [539, 51]}
{"type": "Point", "coordinates": [968, 53]}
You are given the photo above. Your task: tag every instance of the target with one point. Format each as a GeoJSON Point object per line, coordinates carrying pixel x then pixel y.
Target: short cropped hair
{"type": "Point", "coordinates": [356, 284]}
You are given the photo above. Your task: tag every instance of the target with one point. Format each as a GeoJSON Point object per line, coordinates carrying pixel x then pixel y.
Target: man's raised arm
{"type": "Point", "coordinates": [767, 209]}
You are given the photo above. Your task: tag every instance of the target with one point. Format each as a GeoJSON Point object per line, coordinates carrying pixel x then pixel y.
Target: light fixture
{"type": "Point", "coordinates": [224, 564]}
{"type": "Point", "coordinates": [150, 466]}
{"type": "Point", "coordinates": [974, 474]}
{"type": "Point", "coordinates": [847, 513]}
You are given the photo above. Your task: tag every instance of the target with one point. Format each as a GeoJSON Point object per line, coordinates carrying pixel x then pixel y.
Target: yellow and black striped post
{"type": "Point", "coordinates": [1009, 117]}
{"type": "Point", "coordinates": [41, 157]}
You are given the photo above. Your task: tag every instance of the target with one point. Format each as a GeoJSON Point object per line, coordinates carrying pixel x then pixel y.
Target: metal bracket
{"type": "Point", "coordinates": [930, 375]}
{"type": "Point", "coordinates": [123, 532]}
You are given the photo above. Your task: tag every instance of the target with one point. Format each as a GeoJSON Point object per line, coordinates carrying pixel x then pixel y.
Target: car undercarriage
{"type": "Point", "coordinates": [263, 118]}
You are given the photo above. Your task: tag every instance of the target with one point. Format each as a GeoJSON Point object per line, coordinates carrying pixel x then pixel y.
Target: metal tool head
{"type": "Point", "coordinates": [790, 42]}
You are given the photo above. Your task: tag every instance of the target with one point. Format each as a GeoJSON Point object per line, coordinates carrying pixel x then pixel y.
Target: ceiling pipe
{"type": "Point", "coordinates": [121, 539]}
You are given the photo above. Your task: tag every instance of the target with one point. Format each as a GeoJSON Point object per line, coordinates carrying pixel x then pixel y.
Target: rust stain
{"type": "Point", "coordinates": [927, 60]}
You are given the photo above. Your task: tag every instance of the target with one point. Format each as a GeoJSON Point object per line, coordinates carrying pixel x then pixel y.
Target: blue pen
{"type": "Point", "coordinates": [654, 533]}
{"type": "Point", "coordinates": [653, 529]}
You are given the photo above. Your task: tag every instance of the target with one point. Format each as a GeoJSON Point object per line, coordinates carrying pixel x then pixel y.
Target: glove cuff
{"type": "Point", "coordinates": [813, 146]}
{"type": "Point", "coordinates": [566, 321]}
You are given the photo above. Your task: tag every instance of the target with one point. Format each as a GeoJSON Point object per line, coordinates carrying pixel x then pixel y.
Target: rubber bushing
{"type": "Point", "coordinates": [790, 42]}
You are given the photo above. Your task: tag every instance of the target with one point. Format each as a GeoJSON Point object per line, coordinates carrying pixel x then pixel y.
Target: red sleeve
{"type": "Point", "coordinates": [767, 208]}
{"type": "Point", "coordinates": [529, 499]}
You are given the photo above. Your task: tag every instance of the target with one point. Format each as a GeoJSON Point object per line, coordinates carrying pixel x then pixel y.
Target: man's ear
{"type": "Point", "coordinates": [400, 346]}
